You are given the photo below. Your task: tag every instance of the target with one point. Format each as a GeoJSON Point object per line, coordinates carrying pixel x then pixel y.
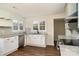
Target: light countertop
{"type": "Point", "coordinates": [11, 35]}
{"type": "Point", "coordinates": [66, 37]}
{"type": "Point", "coordinates": [67, 50]}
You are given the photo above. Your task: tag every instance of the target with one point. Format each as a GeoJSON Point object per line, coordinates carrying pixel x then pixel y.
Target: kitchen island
{"type": "Point", "coordinates": [67, 50]}
{"type": "Point", "coordinates": [8, 44]}
{"type": "Point", "coordinates": [69, 46]}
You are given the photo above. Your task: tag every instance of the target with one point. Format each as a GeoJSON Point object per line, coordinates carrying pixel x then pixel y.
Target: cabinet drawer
{"type": "Point", "coordinates": [10, 43]}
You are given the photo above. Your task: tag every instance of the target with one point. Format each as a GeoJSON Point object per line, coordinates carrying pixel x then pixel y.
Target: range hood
{"type": "Point", "coordinates": [72, 21]}
{"type": "Point", "coordinates": [74, 15]}
{"type": "Point", "coordinates": [72, 18]}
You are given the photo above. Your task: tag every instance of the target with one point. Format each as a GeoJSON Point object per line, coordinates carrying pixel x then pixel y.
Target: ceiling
{"type": "Point", "coordinates": [34, 9]}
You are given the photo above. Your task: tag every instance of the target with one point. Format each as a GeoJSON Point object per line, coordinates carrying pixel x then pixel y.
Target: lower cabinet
{"type": "Point", "coordinates": [8, 45]}
{"type": "Point", "coordinates": [36, 40]}
{"type": "Point", "coordinates": [67, 50]}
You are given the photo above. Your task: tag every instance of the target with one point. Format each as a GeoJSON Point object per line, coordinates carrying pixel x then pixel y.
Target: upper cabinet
{"type": "Point", "coordinates": [71, 8]}
{"type": "Point", "coordinates": [4, 22]}
{"type": "Point", "coordinates": [5, 18]}
{"type": "Point", "coordinates": [17, 26]}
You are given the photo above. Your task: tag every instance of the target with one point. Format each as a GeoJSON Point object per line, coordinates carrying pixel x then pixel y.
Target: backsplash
{"type": "Point", "coordinates": [75, 33]}
{"type": "Point", "coordinates": [5, 30]}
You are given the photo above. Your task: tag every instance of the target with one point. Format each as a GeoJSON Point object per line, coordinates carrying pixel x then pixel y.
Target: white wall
{"type": "Point", "coordinates": [49, 25]}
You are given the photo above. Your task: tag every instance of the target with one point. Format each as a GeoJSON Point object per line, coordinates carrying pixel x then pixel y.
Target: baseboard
{"type": "Point", "coordinates": [49, 46]}
{"type": "Point", "coordinates": [37, 46]}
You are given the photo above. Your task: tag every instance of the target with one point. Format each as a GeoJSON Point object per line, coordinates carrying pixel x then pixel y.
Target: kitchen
{"type": "Point", "coordinates": [23, 25]}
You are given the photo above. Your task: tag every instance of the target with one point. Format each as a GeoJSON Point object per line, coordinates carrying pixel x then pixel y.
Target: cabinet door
{"type": "Point", "coordinates": [28, 39]}
{"type": "Point", "coordinates": [7, 45]}
{"type": "Point", "coordinates": [2, 47]}
{"type": "Point", "coordinates": [15, 26]}
{"type": "Point", "coordinates": [14, 42]}
{"type": "Point", "coordinates": [41, 41]}
{"type": "Point", "coordinates": [33, 40]}
{"type": "Point", "coordinates": [38, 40]}
{"type": "Point", "coordinates": [5, 22]}
{"type": "Point", "coordinates": [10, 44]}
{"type": "Point", "coordinates": [21, 28]}
{"type": "Point", "coordinates": [25, 40]}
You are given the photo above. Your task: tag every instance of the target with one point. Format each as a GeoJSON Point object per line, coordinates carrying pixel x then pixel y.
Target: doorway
{"type": "Point", "coordinates": [59, 29]}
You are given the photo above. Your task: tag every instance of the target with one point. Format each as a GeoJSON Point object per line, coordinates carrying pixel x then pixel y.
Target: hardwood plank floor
{"type": "Point", "coordinates": [36, 51]}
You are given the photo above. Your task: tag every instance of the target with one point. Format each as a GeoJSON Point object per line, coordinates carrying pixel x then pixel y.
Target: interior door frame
{"type": "Point", "coordinates": [54, 25]}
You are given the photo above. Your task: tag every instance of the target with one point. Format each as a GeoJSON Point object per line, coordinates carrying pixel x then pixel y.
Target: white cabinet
{"type": "Point", "coordinates": [5, 18]}
{"type": "Point", "coordinates": [25, 40]}
{"type": "Point", "coordinates": [5, 23]}
{"type": "Point", "coordinates": [36, 40]}
{"type": "Point", "coordinates": [8, 45]}
{"type": "Point", "coordinates": [67, 50]}
{"type": "Point", "coordinates": [18, 26]}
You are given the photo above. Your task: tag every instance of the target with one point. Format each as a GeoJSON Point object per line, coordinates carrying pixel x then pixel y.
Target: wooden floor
{"type": "Point", "coordinates": [36, 51]}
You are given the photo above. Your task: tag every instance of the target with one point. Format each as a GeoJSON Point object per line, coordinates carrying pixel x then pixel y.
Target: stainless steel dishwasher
{"type": "Point", "coordinates": [21, 41]}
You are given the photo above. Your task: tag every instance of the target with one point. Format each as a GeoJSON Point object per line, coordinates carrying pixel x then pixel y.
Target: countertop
{"type": "Point", "coordinates": [66, 37]}
{"type": "Point", "coordinates": [36, 34]}
{"type": "Point", "coordinates": [67, 50]}
{"type": "Point", "coordinates": [11, 35]}
{"type": "Point", "coordinates": [18, 33]}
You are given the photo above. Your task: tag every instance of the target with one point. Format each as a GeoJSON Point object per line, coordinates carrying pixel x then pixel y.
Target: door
{"type": "Point", "coordinates": [59, 28]}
